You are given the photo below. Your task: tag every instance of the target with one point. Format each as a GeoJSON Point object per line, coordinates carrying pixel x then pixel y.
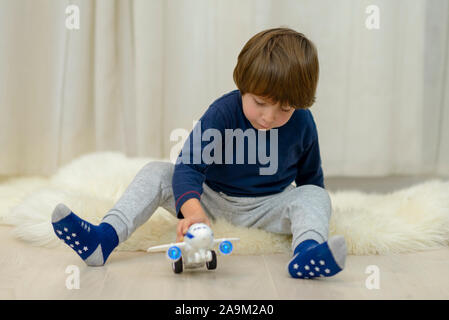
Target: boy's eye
{"type": "Point", "coordinates": [258, 102]}
{"type": "Point", "coordinates": [286, 110]}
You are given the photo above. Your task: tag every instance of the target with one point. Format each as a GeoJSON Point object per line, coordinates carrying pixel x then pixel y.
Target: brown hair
{"type": "Point", "coordinates": [281, 65]}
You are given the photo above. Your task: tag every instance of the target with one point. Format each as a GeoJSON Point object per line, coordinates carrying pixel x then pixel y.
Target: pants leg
{"type": "Point", "coordinates": [301, 211]}
{"type": "Point", "coordinates": [150, 189]}
{"type": "Point", "coordinates": [309, 213]}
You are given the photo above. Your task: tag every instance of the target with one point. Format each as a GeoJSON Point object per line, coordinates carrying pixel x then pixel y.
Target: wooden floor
{"type": "Point", "coordinates": [40, 273]}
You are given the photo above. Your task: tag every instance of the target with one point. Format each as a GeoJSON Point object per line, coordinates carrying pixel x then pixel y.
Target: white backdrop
{"type": "Point", "coordinates": [137, 70]}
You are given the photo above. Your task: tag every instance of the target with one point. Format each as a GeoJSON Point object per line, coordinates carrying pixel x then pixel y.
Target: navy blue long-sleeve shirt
{"type": "Point", "coordinates": [298, 157]}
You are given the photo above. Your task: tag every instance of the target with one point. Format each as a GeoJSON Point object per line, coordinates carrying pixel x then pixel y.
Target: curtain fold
{"type": "Point", "coordinates": [137, 70]}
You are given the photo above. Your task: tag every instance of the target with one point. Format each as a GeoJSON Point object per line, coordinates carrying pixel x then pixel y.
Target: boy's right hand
{"type": "Point", "coordinates": [184, 224]}
{"type": "Point", "coordinates": [193, 213]}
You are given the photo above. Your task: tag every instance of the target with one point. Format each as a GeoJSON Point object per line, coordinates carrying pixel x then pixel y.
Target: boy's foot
{"type": "Point", "coordinates": [312, 260]}
{"type": "Point", "coordinates": [92, 243]}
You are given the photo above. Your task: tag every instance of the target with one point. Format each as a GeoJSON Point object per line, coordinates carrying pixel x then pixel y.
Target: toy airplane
{"type": "Point", "coordinates": [197, 249]}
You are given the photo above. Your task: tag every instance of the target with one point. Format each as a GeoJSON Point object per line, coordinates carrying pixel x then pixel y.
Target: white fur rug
{"type": "Point", "coordinates": [412, 219]}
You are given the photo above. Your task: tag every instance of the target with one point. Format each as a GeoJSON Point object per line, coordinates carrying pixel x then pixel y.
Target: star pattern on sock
{"type": "Point", "coordinates": [66, 238]}
{"type": "Point", "coordinates": [313, 260]}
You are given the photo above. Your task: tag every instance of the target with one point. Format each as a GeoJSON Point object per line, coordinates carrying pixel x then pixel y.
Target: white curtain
{"type": "Point", "coordinates": [137, 70]}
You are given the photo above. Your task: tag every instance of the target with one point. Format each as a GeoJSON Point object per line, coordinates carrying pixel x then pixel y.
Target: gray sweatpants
{"type": "Point", "coordinates": [301, 211]}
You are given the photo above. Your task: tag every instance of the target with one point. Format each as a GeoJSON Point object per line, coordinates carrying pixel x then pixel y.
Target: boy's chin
{"type": "Point", "coordinates": [261, 128]}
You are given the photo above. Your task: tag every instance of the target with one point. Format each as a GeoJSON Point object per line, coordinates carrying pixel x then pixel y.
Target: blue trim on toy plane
{"type": "Point", "coordinates": [189, 235]}
{"type": "Point", "coordinates": [225, 247]}
{"type": "Point", "coordinates": [174, 253]}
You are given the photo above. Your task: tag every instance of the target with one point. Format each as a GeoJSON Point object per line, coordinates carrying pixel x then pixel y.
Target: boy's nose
{"type": "Point", "coordinates": [270, 116]}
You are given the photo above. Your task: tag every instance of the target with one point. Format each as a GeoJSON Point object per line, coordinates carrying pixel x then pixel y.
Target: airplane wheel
{"type": "Point", "coordinates": [211, 265]}
{"type": "Point", "coordinates": [177, 266]}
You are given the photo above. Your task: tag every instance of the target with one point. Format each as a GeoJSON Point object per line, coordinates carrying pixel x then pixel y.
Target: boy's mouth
{"type": "Point", "coordinates": [261, 127]}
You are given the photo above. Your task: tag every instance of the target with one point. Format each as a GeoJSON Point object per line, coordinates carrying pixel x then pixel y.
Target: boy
{"type": "Point", "coordinates": [276, 75]}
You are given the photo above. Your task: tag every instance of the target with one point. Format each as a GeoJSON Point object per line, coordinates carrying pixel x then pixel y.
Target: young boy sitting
{"type": "Point", "coordinates": [276, 76]}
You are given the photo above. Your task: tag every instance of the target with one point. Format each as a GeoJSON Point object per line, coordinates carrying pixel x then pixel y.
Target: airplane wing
{"type": "Point", "coordinates": [164, 247]}
{"type": "Point", "coordinates": [217, 241]}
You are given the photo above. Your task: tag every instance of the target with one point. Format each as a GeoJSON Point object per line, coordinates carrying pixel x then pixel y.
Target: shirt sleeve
{"type": "Point", "coordinates": [189, 174]}
{"type": "Point", "coordinates": [309, 166]}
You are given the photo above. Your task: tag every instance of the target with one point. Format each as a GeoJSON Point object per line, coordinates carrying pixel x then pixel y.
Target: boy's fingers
{"type": "Point", "coordinates": [179, 229]}
{"type": "Point", "coordinates": [184, 229]}
{"type": "Point", "coordinates": [178, 233]}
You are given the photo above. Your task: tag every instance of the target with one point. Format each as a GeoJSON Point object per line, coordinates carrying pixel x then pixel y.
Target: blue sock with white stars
{"type": "Point", "coordinates": [92, 243]}
{"type": "Point", "coordinates": [312, 260]}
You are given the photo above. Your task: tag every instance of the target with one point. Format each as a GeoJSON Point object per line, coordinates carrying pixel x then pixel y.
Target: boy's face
{"type": "Point", "coordinates": [264, 114]}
